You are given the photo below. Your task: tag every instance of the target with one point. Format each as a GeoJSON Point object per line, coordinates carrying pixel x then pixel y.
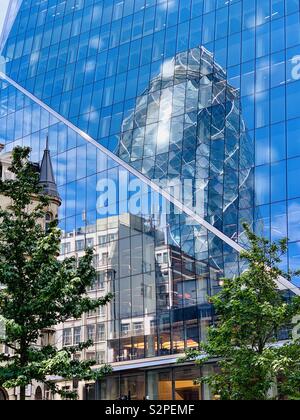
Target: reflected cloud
{"type": "Point", "coordinates": [294, 220]}
{"type": "Point", "coordinates": [167, 5]}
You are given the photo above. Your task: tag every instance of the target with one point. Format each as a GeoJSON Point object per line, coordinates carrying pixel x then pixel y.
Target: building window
{"type": "Point", "coordinates": [92, 313]}
{"type": "Point", "coordinates": [101, 311]}
{"type": "Point", "coordinates": [105, 239]}
{"type": "Point", "coordinates": [153, 326]}
{"type": "Point", "coordinates": [186, 388]}
{"type": "Point", "coordinates": [102, 240]}
{"type": "Point", "coordinates": [162, 258]}
{"type": "Point", "coordinates": [138, 328]}
{"type": "Point", "coordinates": [67, 337]}
{"type": "Point", "coordinates": [90, 242]}
{"type": "Point", "coordinates": [95, 261]}
{"type": "Point", "coordinates": [38, 394]}
{"type": "Point", "coordinates": [165, 258]}
{"type": "Point", "coordinates": [100, 357]}
{"type": "Point", "coordinates": [99, 282]}
{"type": "Point", "coordinates": [147, 291]}
{"type": "Point", "coordinates": [77, 335]}
{"type": "Point", "coordinates": [48, 393]}
{"type": "Point", "coordinates": [110, 275]}
{"type": "Point", "coordinates": [189, 266]}
{"type": "Point", "coordinates": [112, 237]}
{"type": "Point", "coordinates": [105, 258]}
{"type": "Point", "coordinates": [91, 355]}
{"type": "Point", "coordinates": [91, 332]}
{"type": "Point", "coordinates": [90, 391]}
{"type": "Point", "coordinates": [80, 245]}
{"type": "Point", "coordinates": [101, 336]}
{"type": "Point", "coordinates": [125, 329]}
{"type": "Point", "coordinates": [48, 220]}
{"type": "Point", "coordinates": [65, 248]}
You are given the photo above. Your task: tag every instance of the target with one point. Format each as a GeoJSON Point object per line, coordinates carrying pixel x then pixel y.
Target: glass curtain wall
{"type": "Point", "coordinates": [142, 79]}
{"type": "Point", "coordinates": [103, 63]}
{"type": "Point", "coordinates": [158, 262]}
{"type": "Point", "coordinates": [197, 96]}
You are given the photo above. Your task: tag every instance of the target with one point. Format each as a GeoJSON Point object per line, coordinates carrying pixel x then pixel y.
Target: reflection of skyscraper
{"type": "Point", "coordinates": [130, 75]}
{"type": "Point", "coordinates": [188, 125]}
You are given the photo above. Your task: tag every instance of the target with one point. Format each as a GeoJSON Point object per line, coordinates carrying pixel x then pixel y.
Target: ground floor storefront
{"type": "Point", "coordinates": [170, 383]}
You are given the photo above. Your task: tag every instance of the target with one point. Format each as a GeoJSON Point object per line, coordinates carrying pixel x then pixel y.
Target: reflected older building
{"type": "Point", "coordinates": [120, 328]}
{"type": "Point", "coordinates": [49, 187]}
{"type": "Point", "coordinates": [159, 292]}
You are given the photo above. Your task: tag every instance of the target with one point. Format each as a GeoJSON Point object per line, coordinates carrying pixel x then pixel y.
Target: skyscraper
{"type": "Point", "coordinates": [170, 122]}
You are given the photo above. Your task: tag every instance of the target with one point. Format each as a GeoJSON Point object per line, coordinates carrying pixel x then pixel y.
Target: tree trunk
{"type": "Point", "coordinates": [23, 360]}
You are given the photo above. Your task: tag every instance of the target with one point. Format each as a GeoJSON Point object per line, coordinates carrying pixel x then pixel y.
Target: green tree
{"type": "Point", "coordinates": [38, 291]}
{"type": "Point", "coordinates": [250, 313]}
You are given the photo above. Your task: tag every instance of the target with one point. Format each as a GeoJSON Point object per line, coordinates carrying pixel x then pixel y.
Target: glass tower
{"type": "Point", "coordinates": [170, 123]}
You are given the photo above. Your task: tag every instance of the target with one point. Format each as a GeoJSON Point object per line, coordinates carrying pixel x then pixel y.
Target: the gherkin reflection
{"type": "Point", "coordinates": [188, 125]}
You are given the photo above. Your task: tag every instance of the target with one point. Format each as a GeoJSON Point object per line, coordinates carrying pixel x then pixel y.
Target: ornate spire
{"type": "Point", "coordinates": [47, 180]}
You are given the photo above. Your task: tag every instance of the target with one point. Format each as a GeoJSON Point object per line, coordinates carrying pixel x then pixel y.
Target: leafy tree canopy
{"type": "Point", "coordinates": [251, 315]}
{"type": "Point", "coordinates": [38, 291]}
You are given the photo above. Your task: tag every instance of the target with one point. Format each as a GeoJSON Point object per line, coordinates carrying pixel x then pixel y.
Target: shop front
{"type": "Point", "coordinates": [172, 383]}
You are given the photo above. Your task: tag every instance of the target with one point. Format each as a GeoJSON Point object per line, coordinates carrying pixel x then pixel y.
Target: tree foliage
{"type": "Point", "coordinates": [38, 291]}
{"type": "Point", "coordinates": [251, 316]}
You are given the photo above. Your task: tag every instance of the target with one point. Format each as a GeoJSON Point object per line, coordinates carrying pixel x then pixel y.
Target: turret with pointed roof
{"type": "Point", "coordinates": [47, 179]}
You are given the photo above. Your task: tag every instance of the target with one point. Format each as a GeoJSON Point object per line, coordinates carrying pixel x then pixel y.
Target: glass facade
{"type": "Point", "coordinates": [170, 123]}
{"type": "Point", "coordinates": [160, 384]}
